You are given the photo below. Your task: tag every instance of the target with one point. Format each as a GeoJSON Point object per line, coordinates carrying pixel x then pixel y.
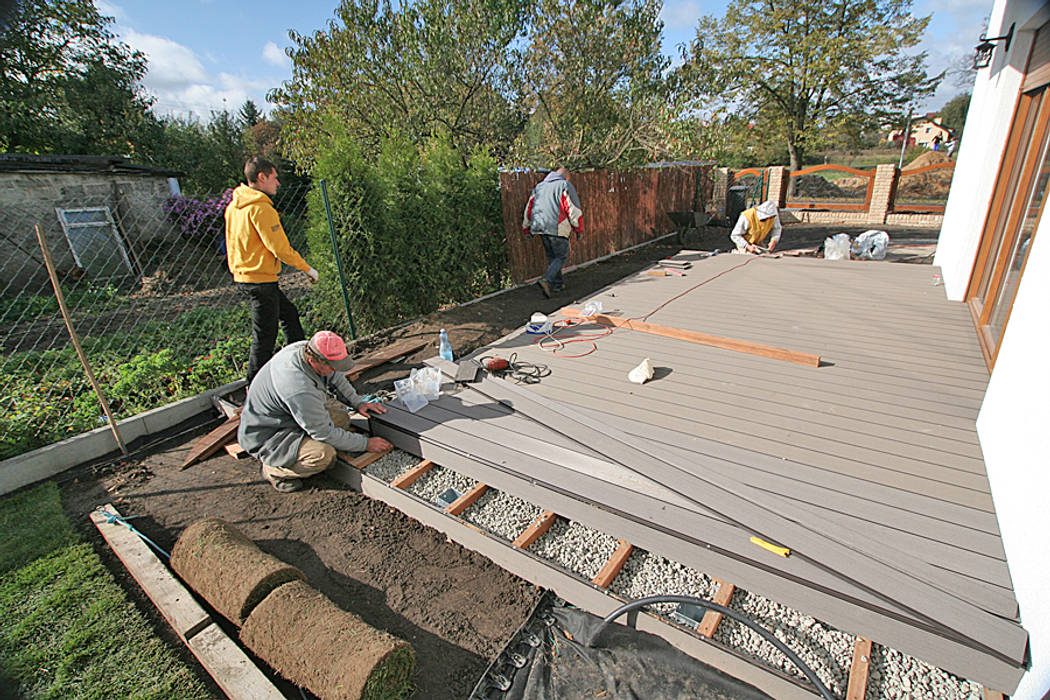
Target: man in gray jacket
{"type": "Point", "coordinates": [289, 422]}
{"type": "Point", "coordinates": [553, 213]}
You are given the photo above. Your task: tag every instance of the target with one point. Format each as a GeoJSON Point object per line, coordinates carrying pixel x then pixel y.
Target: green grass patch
{"type": "Point", "coordinates": [34, 525]}
{"type": "Point", "coordinates": [67, 630]}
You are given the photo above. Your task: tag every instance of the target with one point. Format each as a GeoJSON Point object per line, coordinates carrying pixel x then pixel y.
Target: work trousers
{"type": "Point", "coordinates": [269, 307]}
{"type": "Point", "coordinates": [557, 250]}
{"type": "Point", "coordinates": [314, 456]}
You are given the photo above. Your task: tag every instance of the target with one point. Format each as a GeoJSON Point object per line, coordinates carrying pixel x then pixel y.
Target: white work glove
{"type": "Point", "coordinates": [312, 274]}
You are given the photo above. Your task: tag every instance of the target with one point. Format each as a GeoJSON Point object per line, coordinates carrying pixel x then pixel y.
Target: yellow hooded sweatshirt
{"type": "Point", "coordinates": [255, 240]}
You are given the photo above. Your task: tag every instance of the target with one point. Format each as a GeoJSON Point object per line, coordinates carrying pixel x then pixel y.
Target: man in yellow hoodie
{"type": "Point", "coordinates": [256, 245]}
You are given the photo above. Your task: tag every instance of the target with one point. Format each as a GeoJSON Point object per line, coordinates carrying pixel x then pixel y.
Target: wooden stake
{"type": "Point", "coordinates": [49, 263]}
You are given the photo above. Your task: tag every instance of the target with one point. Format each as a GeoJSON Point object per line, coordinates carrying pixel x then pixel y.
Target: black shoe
{"type": "Point", "coordinates": [545, 287]}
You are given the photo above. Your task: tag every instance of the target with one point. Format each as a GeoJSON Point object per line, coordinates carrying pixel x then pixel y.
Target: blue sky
{"type": "Point", "coordinates": [214, 54]}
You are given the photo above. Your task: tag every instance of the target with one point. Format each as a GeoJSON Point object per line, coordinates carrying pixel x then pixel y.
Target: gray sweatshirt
{"type": "Point", "coordinates": [286, 402]}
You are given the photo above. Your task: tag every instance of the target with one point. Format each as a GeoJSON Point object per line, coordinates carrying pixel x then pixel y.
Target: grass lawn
{"type": "Point", "coordinates": [67, 630]}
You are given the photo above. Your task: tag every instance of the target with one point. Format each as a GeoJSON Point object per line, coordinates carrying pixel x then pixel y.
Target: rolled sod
{"type": "Point", "coordinates": [333, 653]}
{"type": "Point", "coordinates": [227, 569]}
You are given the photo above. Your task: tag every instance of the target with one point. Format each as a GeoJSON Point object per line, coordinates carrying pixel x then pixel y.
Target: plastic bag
{"type": "Point", "coordinates": [871, 245]}
{"type": "Point", "coordinates": [427, 381]}
{"type": "Point", "coordinates": [409, 395]}
{"type": "Point", "coordinates": [837, 247]}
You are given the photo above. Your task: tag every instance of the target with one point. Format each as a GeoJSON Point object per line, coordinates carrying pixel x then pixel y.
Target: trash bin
{"type": "Point", "coordinates": [736, 202]}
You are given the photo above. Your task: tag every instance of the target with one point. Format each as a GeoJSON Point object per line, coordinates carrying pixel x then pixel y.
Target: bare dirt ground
{"type": "Point", "coordinates": [455, 607]}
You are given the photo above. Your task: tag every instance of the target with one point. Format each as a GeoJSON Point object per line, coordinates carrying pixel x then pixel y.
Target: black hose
{"type": "Point", "coordinates": [642, 602]}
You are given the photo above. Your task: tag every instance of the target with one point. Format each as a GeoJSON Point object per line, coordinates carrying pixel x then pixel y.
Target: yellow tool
{"type": "Point", "coordinates": [779, 551]}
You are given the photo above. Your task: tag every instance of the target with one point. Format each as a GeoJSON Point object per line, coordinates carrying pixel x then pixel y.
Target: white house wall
{"type": "Point", "coordinates": [1016, 408]}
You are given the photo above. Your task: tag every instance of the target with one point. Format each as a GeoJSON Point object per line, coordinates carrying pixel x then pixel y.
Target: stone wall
{"type": "Point", "coordinates": [30, 198]}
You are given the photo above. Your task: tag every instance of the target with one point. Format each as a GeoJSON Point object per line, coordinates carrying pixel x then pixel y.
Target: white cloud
{"type": "Point", "coordinates": [681, 15]}
{"type": "Point", "coordinates": [273, 54]}
{"type": "Point", "coordinates": [170, 63]}
{"type": "Point", "coordinates": [109, 9]}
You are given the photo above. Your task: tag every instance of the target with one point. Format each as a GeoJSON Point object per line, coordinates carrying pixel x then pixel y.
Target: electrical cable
{"type": "Point", "coordinates": [520, 371]}
{"type": "Point", "coordinates": [728, 612]}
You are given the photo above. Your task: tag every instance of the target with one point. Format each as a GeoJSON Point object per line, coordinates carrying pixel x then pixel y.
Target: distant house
{"type": "Point", "coordinates": [923, 132]}
{"type": "Point", "coordinates": [91, 209]}
{"type": "Point", "coordinates": [994, 253]}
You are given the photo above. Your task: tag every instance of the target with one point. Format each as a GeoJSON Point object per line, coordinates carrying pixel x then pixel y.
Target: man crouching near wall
{"type": "Point", "coordinates": [295, 419]}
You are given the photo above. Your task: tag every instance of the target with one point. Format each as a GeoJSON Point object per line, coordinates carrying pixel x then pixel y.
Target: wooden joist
{"type": "Point", "coordinates": [213, 441]}
{"type": "Point", "coordinates": [379, 357]}
{"type": "Point", "coordinates": [612, 567]}
{"type": "Point", "coordinates": [858, 670]}
{"type": "Point", "coordinates": [711, 619]}
{"type": "Point", "coordinates": [466, 500]}
{"type": "Point", "coordinates": [535, 531]}
{"type": "Point", "coordinates": [409, 477]}
{"type": "Point", "coordinates": [802, 358]}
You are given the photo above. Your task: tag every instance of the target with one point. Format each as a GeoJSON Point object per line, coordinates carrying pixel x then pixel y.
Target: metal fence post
{"type": "Point", "coordinates": [338, 258]}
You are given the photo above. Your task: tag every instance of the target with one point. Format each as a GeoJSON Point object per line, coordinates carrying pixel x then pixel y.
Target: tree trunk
{"type": "Point", "coordinates": [794, 164]}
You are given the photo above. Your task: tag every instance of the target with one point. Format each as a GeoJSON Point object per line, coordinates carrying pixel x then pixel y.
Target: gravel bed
{"type": "Point", "coordinates": [438, 480]}
{"type": "Point", "coordinates": [502, 514]}
{"type": "Point", "coordinates": [895, 676]}
{"type": "Point", "coordinates": [645, 574]}
{"type": "Point", "coordinates": [576, 547]}
{"type": "Point", "coordinates": [392, 465]}
{"type": "Point", "coordinates": [826, 650]}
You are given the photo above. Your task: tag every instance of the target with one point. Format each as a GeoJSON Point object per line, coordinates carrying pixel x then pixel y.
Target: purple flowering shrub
{"type": "Point", "coordinates": [199, 218]}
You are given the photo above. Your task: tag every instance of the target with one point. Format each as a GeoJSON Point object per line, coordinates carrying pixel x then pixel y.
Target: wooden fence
{"type": "Point", "coordinates": [620, 209]}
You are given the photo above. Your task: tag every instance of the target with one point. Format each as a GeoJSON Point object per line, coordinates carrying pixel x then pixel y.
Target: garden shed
{"type": "Point", "coordinates": [92, 209]}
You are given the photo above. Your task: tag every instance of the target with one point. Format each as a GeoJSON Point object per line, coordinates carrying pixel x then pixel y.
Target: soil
{"type": "Point", "coordinates": [454, 606]}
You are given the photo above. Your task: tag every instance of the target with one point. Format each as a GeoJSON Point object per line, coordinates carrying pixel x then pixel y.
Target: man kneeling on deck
{"type": "Point", "coordinates": [292, 424]}
{"type": "Point", "coordinates": [755, 226]}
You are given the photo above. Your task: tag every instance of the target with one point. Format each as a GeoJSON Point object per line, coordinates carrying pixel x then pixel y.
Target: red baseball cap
{"type": "Point", "coordinates": [332, 348]}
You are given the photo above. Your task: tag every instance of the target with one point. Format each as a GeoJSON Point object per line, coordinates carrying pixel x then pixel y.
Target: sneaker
{"type": "Point", "coordinates": [545, 286]}
{"type": "Point", "coordinates": [286, 485]}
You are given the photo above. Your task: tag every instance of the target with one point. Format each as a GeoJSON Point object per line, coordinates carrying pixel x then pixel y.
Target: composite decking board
{"type": "Point", "coordinates": [976, 529]}
{"type": "Point", "coordinates": [794, 445]}
{"type": "Point", "coordinates": [826, 603]}
{"type": "Point", "coordinates": [780, 522]}
{"type": "Point", "coordinates": [942, 542]}
{"type": "Point", "coordinates": [792, 417]}
{"type": "Point", "coordinates": [715, 388]}
{"type": "Point", "coordinates": [560, 483]}
{"type": "Point", "coordinates": [835, 385]}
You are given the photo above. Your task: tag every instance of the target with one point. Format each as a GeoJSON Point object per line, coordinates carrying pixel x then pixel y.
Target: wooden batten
{"type": "Point", "coordinates": [365, 458]}
{"type": "Point", "coordinates": [535, 531]}
{"type": "Point", "coordinates": [712, 619]}
{"type": "Point", "coordinates": [467, 500]}
{"type": "Point", "coordinates": [409, 477]}
{"type": "Point", "coordinates": [612, 567]}
{"type": "Point", "coordinates": [213, 441]}
{"type": "Point", "coordinates": [858, 670]}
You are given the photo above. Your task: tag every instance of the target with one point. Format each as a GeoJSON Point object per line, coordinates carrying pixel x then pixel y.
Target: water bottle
{"type": "Point", "coordinates": [444, 347]}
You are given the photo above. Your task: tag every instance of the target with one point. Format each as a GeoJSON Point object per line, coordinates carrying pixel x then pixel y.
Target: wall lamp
{"type": "Point", "coordinates": [987, 47]}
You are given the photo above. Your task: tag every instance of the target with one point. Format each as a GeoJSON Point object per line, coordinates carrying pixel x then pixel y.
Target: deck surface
{"type": "Point", "coordinates": [875, 451]}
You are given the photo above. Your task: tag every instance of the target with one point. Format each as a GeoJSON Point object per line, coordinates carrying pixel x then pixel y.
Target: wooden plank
{"type": "Point", "coordinates": [226, 408]}
{"type": "Point", "coordinates": [801, 358]}
{"type": "Point", "coordinates": [383, 356]}
{"type": "Point", "coordinates": [233, 671]}
{"type": "Point", "coordinates": [712, 618]}
{"type": "Point", "coordinates": [467, 500]}
{"type": "Point", "coordinates": [212, 442]}
{"type": "Point", "coordinates": [235, 450]}
{"type": "Point", "coordinates": [365, 458]}
{"type": "Point", "coordinates": [858, 670]}
{"type": "Point", "coordinates": [611, 569]}
{"type": "Point", "coordinates": [409, 477]}
{"type": "Point", "coordinates": [172, 599]}
{"type": "Point", "coordinates": [993, 695]}
{"type": "Point", "coordinates": [535, 531]}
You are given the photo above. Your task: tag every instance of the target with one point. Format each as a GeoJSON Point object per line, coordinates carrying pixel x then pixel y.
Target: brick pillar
{"type": "Point", "coordinates": [778, 183]}
{"type": "Point", "coordinates": [719, 192]}
{"type": "Point", "coordinates": [882, 192]}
